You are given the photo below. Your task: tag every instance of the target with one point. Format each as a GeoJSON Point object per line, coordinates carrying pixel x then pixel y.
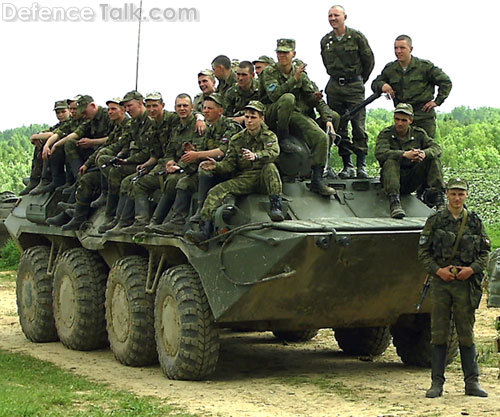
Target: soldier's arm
{"type": "Point", "coordinates": [438, 77]}
{"type": "Point", "coordinates": [366, 57]}
{"type": "Point", "coordinates": [271, 149]}
{"type": "Point", "coordinates": [481, 261]}
{"type": "Point", "coordinates": [425, 255]}
{"type": "Point", "coordinates": [382, 78]}
{"type": "Point", "coordinates": [272, 86]}
{"type": "Point", "coordinates": [383, 150]}
{"type": "Point", "coordinates": [229, 163]}
{"type": "Point", "coordinates": [431, 147]}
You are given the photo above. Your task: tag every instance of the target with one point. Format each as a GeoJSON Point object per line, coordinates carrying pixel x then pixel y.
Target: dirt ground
{"type": "Point", "coordinates": [258, 376]}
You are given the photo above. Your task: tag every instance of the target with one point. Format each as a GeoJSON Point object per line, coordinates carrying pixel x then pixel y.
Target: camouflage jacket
{"type": "Point", "coordinates": [67, 127]}
{"type": "Point", "coordinates": [264, 145]}
{"type": "Point", "coordinates": [416, 85]}
{"type": "Point", "coordinates": [198, 103]}
{"type": "Point", "coordinates": [224, 85]}
{"type": "Point", "coordinates": [161, 132]}
{"type": "Point", "coordinates": [348, 57]}
{"type": "Point", "coordinates": [219, 134]}
{"type": "Point", "coordinates": [99, 127]}
{"type": "Point", "coordinates": [390, 146]}
{"type": "Point", "coordinates": [236, 99]}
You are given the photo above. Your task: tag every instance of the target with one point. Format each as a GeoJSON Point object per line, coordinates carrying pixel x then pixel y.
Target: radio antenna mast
{"type": "Point", "coordinates": [138, 47]}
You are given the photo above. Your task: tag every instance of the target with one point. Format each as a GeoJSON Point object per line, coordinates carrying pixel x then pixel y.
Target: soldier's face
{"type": "Point", "coordinates": [115, 111]}
{"type": "Point", "coordinates": [73, 110]}
{"type": "Point", "coordinates": [90, 111]}
{"type": "Point", "coordinates": [253, 120]}
{"type": "Point", "coordinates": [154, 108]}
{"type": "Point", "coordinates": [212, 111]}
{"type": "Point", "coordinates": [133, 108]}
{"type": "Point", "coordinates": [244, 78]}
{"type": "Point", "coordinates": [206, 84]}
{"type": "Point", "coordinates": [336, 17]}
{"type": "Point", "coordinates": [402, 51]}
{"type": "Point", "coordinates": [456, 197]}
{"type": "Point", "coordinates": [285, 58]}
{"type": "Point", "coordinates": [183, 107]}
{"type": "Point", "coordinates": [62, 114]}
{"type": "Point", "coordinates": [218, 71]}
{"type": "Point", "coordinates": [259, 67]}
{"type": "Point", "coordinates": [402, 123]}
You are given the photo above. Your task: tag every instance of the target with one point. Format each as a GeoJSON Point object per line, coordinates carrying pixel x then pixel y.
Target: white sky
{"type": "Point", "coordinates": [43, 62]}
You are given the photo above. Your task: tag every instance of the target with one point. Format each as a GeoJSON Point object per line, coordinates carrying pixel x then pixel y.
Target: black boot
{"type": "Point", "coordinates": [30, 186]}
{"type": "Point", "coordinates": [70, 179]}
{"type": "Point", "coordinates": [348, 170]}
{"type": "Point", "coordinates": [161, 210]}
{"type": "Point", "coordinates": [276, 208]}
{"type": "Point", "coordinates": [437, 375]}
{"type": "Point", "coordinates": [177, 222]}
{"type": "Point", "coordinates": [205, 232]}
{"type": "Point", "coordinates": [103, 197]}
{"type": "Point", "coordinates": [317, 184]}
{"type": "Point", "coordinates": [361, 166]}
{"type": "Point", "coordinates": [81, 213]}
{"type": "Point", "coordinates": [141, 216]}
{"type": "Point", "coordinates": [46, 179]}
{"type": "Point", "coordinates": [56, 162]}
{"type": "Point", "coordinates": [74, 165]}
{"type": "Point", "coordinates": [468, 357]}
{"type": "Point", "coordinates": [397, 211]}
{"type": "Point", "coordinates": [59, 220]}
{"type": "Point", "coordinates": [114, 206]}
{"type": "Point", "coordinates": [125, 219]}
{"type": "Point", "coordinates": [205, 183]}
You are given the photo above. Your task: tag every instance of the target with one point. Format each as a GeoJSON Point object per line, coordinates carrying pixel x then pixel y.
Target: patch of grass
{"type": "Point", "coordinates": [47, 391]}
{"type": "Point", "coordinates": [9, 256]}
{"type": "Point", "coordinates": [327, 384]}
{"type": "Point", "coordinates": [493, 231]}
{"type": "Point", "coordinates": [487, 355]}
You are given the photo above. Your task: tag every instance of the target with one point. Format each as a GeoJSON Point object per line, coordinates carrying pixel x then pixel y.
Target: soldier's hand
{"type": "Point", "coordinates": [330, 130]}
{"type": "Point", "coordinates": [318, 95]}
{"type": "Point", "coordinates": [140, 167]}
{"type": "Point", "coordinates": [46, 152]}
{"type": "Point", "coordinates": [200, 127]}
{"type": "Point", "coordinates": [208, 165]}
{"type": "Point", "coordinates": [387, 89]}
{"type": "Point", "coordinates": [298, 72]}
{"type": "Point", "coordinates": [412, 155]}
{"type": "Point", "coordinates": [239, 119]}
{"type": "Point", "coordinates": [172, 168]}
{"type": "Point", "coordinates": [248, 154]}
{"type": "Point", "coordinates": [85, 143]}
{"type": "Point", "coordinates": [429, 106]}
{"type": "Point", "coordinates": [445, 273]}
{"type": "Point", "coordinates": [464, 273]}
{"type": "Point", "coordinates": [83, 169]}
{"type": "Point", "coordinates": [120, 161]}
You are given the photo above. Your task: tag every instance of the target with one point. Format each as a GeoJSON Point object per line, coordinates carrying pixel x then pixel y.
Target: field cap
{"type": "Point", "coordinates": [206, 72]}
{"type": "Point", "coordinates": [116, 100]}
{"type": "Point", "coordinates": [155, 95]}
{"type": "Point", "coordinates": [457, 183]}
{"type": "Point", "coordinates": [265, 59]}
{"type": "Point", "coordinates": [74, 98]}
{"type": "Point", "coordinates": [61, 104]}
{"type": "Point", "coordinates": [255, 105]}
{"type": "Point", "coordinates": [82, 103]}
{"type": "Point", "coordinates": [132, 95]}
{"type": "Point", "coordinates": [404, 108]}
{"type": "Point", "coordinates": [215, 97]}
{"type": "Point", "coordinates": [285, 45]}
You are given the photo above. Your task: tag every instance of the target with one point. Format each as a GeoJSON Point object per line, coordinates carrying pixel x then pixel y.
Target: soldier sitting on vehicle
{"type": "Point", "coordinates": [206, 82]}
{"type": "Point", "coordinates": [408, 157]}
{"type": "Point", "coordinates": [250, 159]}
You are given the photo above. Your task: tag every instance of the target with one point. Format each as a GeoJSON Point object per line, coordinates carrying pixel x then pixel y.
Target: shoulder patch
{"type": "Point", "coordinates": [272, 87]}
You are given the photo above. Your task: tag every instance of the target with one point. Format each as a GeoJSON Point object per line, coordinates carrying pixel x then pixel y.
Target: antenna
{"type": "Point", "coordinates": [138, 47]}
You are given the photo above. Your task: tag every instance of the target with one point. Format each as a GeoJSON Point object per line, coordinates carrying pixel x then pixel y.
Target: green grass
{"type": "Point", "coordinates": [33, 388]}
{"type": "Point", "coordinates": [493, 231]}
{"type": "Point", "coordinates": [324, 383]}
{"type": "Point", "coordinates": [9, 256]}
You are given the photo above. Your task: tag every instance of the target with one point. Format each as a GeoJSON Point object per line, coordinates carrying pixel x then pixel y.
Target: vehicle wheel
{"type": "Point", "coordinates": [78, 297]}
{"type": "Point", "coordinates": [295, 336]}
{"type": "Point", "coordinates": [413, 342]}
{"type": "Point", "coordinates": [187, 340]}
{"type": "Point", "coordinates": [34, 296]}
{"type": "Point", "coordinates": [363, 341]}
{"type": "Point", "coordinates": [129, 313]}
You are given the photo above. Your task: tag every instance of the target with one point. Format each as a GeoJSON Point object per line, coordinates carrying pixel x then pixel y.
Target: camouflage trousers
{"type": "Point", "coordinates": [87, 185]}
{"type": "Point", "coordinates": [451, 301]}
{"type": "Point", "coordinates": [73, 152]}
{"type": "Point", "coordinates": [168, 183]}
{"type": "Point", "coordinates": [36, 163]}
{"type": "Point", "coordinates": [264, 181]}
{"type": "Point", "coordinates": [427, 123]}
{"type": "Point", "coordinates": [406, 179]}
{"type": "Point", "coordinates": [341, 98]}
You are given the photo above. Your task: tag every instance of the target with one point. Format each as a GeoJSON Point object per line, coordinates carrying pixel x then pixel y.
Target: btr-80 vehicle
{"type": "Point", "coordinates": [340, 262]}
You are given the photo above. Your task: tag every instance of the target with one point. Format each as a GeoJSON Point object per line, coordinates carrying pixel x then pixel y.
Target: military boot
{"type": "Point", "coordinates": [125, 219]}
{"type": "Point", "coordinates": [468, 358]}
{"type": "Point", "coordinates": [276, 208]}
{"type": "Point", "coordinates": [74, 165]}
{"type": "Point", "coordinates": [141, 216]}
{"type": "Point", "coordinates": [205, 232]}
{"type": "Point", "coordinates": [114, 206]}
{"type": "Point", "coordinates": [59, 220]}
{"type": "Point", "coordinates": [103, 197]}
{"type": "Point", "coordinates": [438, 362]}
{"type": "Point", "coordinates": [177, 222]}
{"type": "Point", "coordinates": [348, 170]}
{"type": "Point", "coordinates": [397, 211]}
{"type": "Point", "coordinates": [44, 181]}
{"type": "Point", "coordinates": [205, 183]}
{"type": "Point", "coordinates": [80, 217]}
{"type": "Point", "coordinates": [58, 176]}
{"type": "Point", "coordinates": [33, 182]}
{"type": "Point", "coordinates": [161, 211]}
{"type": "Point", "coordinates": [64, 206]}
{"type": "Point", "coordinates": [70, 179]}
{"type": "Point", "coordinates": [361, 166]}
{"type": "Point", "coordinates": [317, 184]}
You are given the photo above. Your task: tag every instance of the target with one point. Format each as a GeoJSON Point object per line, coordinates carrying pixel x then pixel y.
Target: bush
{"type": "Point", "coordinates": [9, 256]}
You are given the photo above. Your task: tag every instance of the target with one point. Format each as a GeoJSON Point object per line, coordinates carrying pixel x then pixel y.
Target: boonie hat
{"type": "Point", "coordinates": [61, 104]}
{"type": "Point", "coordinates": [265, 59]}
{"type": "Point", "coordinates": [116, 100]}
{"type": "Point", "coordinates": [215, 97]}
{"type": "Point", "coordinates": [255, 105]}
{"type": "Point", "coordinates": [82, 103]}
{"type": "Point", "coordinates": [457, 183]}
{"type": "Point", "coordinates": [404, 108]}
{"type": "Point", "coordinates": [132, 95]}
{"type": "Point", "coordinates": [155, 95]}
{"type": "Point", "coordinates": [285, 45]}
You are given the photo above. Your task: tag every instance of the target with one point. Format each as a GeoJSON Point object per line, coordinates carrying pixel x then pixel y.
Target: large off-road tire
{"type": "Point", "coordinates": [129, 313]}
{"type": "Point", "coordinates": [413, 342]}
{"type": "Point", "coordinates": [34, 296]}
{"type": "Point", "coordinates": [295, 336]}
{"type": "Point", "coordinates": [78, 296]}
{"type": "Point", "coordinates": [187, 339]}
{"type": "Point", "coordinates": [363, 341]}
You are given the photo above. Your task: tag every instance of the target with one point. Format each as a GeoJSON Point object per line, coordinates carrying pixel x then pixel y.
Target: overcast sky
{"type": "Point", "coordinates": [47, 61]}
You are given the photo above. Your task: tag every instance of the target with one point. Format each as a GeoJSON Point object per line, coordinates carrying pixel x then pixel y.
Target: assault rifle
{"type": "Point", "coordinates": [113, 160]}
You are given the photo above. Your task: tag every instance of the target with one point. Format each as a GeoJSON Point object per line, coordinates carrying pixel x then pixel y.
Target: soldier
{"type": "Point", "coordinates": [250, 160]}
{"type": "Point", "coordinates": [292, 95]}
{"type": "Point", "coordinates": [413, 80]}
{"type": "Point", "coordinates": [349, 61]}
{"type": "Point", "coordinates": [206, 82]}
{"type": "Point", "coordinates": [239, 95]}
{"type": "Point", "coordinates": [454, 248]}
{"type": "Point", "coordinates": [408, 157]}
{"type": "Point", "coordinates": [221, 65]}
{"type": "Point", "coordinates": [261, 63]}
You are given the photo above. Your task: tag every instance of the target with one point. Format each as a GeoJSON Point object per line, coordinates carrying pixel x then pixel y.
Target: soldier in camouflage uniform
{"type": "Point", "coordinates": [206, 82]}
{"type": "Point", "coordinates": [349, 61]}
{"type": "Point", "coordinates": [454, 248]}
{"type": "Point", "coordinates": [292, 95]}
{"type": "Point", "coordinates": [413, 80]}
{"type": "Point", "coordinates": [182, 186]}
{"type": "Point", "coordinates": [239, 95]}
{"type": "Point", "coordinates": [262, 63]}
{"type": "Point", "coordinates": [408, 158]}
{"type": "Point", "coordinates": [250, 160]}
{"type": "Point", "coordinates": [221, 65]}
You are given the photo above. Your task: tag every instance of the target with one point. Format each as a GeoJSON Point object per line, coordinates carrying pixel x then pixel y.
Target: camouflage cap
{"type": "Point", "coordinates": [132, 95]}
{"type": "Point", "coordinates": [61, 104]}
{"type": "Point", "coordinates": [70, 100]}
{"type": "Point", "coordinates": [255, 105]}
{"type": "Point", "coordinates": [206, 72]}
{"type": "Point", "coordinates": [285, 45]}
{"type": "Point", "coordinates": [82, 103]}
{"type": "Point", "coordinates": [116, 100]}
{"type": "Point", "coordinates": [155, 95]}
{"type": "Point", "coordinates": [216, 97]}
{"type": "Point", "coordinates": [404, 108]}
{"type": "Point", "coordinates": [265, 59]}
{"type": "Point", "coordinates": [457, 183]}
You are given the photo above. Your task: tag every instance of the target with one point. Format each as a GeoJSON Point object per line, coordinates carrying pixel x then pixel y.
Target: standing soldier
{"type": "Point", "coordinates": [413, 80]}
{"type": "Point", "coordinates": [454, 250]}
{"type": "Point", "coordinates": [349, 61]}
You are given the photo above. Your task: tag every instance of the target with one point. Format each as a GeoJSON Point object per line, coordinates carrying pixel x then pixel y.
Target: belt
{"type": "Point", "coordinates": [344, 81]}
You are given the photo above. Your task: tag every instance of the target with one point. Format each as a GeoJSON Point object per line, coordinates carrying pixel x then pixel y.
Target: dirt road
{"type": "Point", "coordinates": [258, 376]}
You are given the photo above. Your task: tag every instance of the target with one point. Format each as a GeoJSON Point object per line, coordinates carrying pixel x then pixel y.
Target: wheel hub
{"type": "Point", "coordinates": [120, 313]}
{"type": "Point", "coordinates": [170, 326]}
{"type": "Point", "coordinates": [67, 303]}
{"type": "Point", "coordinates": [27, 298]}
